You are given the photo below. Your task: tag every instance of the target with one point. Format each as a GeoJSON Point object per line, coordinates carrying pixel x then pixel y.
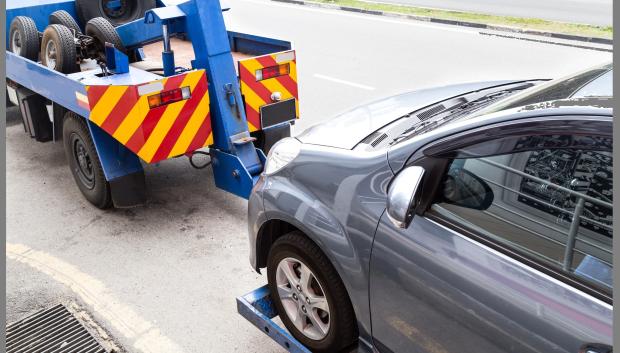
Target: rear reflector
{"type": "Point", "coordinates": [273, 71]}
{"type": "Point", "coordinates": [167, 97]}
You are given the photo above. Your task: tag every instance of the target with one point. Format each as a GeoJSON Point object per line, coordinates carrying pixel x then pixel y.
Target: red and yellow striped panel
{"type": "Point", "coordinates": [159, 133]}
{"type": "Point", "coordinates": [258, 93]}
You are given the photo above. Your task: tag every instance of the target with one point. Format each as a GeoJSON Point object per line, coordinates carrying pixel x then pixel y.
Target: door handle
{"type": "Point", "coordinates": [596, 348]}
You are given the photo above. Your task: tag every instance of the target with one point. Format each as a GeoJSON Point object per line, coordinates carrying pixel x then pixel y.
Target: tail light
{"type": "Point", "coordinates": [171, 96]}
{"type": "Point", "coordinates": [273, 71]}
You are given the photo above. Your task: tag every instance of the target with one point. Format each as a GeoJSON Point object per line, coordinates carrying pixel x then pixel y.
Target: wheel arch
{"type": "Point", "coordinates": [276, 227]}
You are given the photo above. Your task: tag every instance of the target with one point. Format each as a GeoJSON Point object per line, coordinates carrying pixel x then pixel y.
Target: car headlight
{"type": "Point", "coordinates": [281, 154]}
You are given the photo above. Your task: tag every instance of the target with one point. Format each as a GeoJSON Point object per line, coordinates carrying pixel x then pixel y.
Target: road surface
{"type": "Point", "coordinates": [164, 277]}
{"type": "Point", "coordinates": [594, 12]}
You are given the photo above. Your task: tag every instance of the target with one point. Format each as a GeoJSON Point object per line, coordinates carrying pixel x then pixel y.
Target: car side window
{"type": "Point", "coordinates": [550, 198]}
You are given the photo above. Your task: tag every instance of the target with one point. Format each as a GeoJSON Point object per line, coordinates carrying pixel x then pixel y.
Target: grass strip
{"type": "Point", "coordinates": [509, 21]}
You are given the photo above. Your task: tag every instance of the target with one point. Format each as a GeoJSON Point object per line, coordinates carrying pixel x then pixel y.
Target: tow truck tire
{"type": "Point", "coordinates": [58, 49]}
{"type": "Point", "coordinates": [129, 10]}
{"type": "Point", "coordinates": [84, 161]}
{"type": "Point", "coordinates": [24, 38]}
{"type": "Point", "coordinates": [62, 17]}
{"type": "Point", "coordinates": [296, 249]}
{"type": "Point", "coordinates": [103, 32]}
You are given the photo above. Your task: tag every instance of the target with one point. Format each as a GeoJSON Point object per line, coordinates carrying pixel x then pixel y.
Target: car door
{"type": "Point", "coordinates": [495, 259]}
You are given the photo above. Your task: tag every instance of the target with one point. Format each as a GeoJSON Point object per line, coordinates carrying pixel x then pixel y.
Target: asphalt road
{"type": "Point", "coordinates": [164, 277]}
{"type": "Point", "coordinates": [594, 12]}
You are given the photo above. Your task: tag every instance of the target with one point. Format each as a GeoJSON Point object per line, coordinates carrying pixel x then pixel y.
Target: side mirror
{"type": "Point", "coordinates": [403, 195]}
{"type": "Point", "coordinates": [464, 188]}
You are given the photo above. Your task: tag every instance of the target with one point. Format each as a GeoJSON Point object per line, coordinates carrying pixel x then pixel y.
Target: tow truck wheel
{"type": "Point", "coordinates": [24, 38]}
{"type": "Point", "coordinates": [84, 161]}
{"type": "Point", "coordinates": [62, 17]}
{"type": "Point", "coordinates": [115, 11]}
{"type": "Point", "coordinates": [58, 49]}
{"type": "Point", "coordinates": [103, 32]}
{"type": "Point", "coordinates": [309, 295]}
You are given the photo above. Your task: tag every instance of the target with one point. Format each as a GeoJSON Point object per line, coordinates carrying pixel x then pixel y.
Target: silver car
{"type": "Point", "coordinates": [467, 218]}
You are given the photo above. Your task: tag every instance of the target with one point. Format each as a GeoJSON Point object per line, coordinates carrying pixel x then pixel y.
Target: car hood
{"type": "Point", "coordinates": [348, 129]}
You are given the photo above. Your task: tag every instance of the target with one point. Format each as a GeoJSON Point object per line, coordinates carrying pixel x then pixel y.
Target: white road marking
{"type": "Point", "coordinates": [367, 17]}
{"type": "Point", "coordinates": [348, 83]}
{"type": "Point", "coordinates": [146, 337]}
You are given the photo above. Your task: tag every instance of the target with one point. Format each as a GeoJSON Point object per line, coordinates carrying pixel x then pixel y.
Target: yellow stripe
{"type": "Point", "coordinates": [251, 127]}
{"type": "Point", "coordinates": [107, 102]}
{"type": "Point", "coordinates": [293, 73]}
{"type": "Point", "coordinates": [251, 98]}
{"type": "Point", "coordinates": [134, 119]}
{"type": "Point", "coordinates": [191, 128]}
{"type": "Point", "coordinates": [167, 119]}
{"type": "Point", "coordinates": [209, 141]}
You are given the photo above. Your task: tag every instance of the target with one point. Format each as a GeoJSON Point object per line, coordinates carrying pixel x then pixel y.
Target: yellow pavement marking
{"type": "Point", "coordinates": [145, 335]}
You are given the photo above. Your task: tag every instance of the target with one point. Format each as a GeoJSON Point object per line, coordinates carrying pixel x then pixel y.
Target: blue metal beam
{"type": "Point", "coordinates": [45, 82]}
{"type": "Point", "coordinates": [207, 31]}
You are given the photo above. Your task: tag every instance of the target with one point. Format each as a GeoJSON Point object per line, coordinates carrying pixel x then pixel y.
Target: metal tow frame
{"type": "Point", "coordinates": [257, 307]}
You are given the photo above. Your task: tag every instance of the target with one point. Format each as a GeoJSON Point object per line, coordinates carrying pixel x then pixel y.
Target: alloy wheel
{"type": "Point", "coordinates": [303, 298]}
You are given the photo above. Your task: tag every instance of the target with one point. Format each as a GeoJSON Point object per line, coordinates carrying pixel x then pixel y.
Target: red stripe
{"type": "Point", "coordinates": [285, 80]}
{"type": "Point", "coordinates": [143, 133]}
{"type": "Point", "coordinates": [250, 79]}
{"type": "Point", "coordinates": [120, 111]}
{"type": "Point", "coordinates": [179, 124]}
{"type": "Point", "coordinates": [95, 93]}
{"type": "Point", "coordinates": [202, 135]}
{"type": "Point", "coordinates": [252, 116]}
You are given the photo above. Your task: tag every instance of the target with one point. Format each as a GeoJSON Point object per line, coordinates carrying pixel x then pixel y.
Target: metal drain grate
{"type": "Point", "coordinates": [51, 330]}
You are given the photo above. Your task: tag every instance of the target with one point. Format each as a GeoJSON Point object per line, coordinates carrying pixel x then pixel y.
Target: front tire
{"type": "Point", "coordinates": [84, 161]}
{"type": "Point", "coordinates": [309, 295]}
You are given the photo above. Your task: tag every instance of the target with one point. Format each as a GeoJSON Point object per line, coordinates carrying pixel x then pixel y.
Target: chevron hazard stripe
{"type": "Point", "coordinates": [257, 92]}
{"type": "Point", "coordinates": [157, 133]}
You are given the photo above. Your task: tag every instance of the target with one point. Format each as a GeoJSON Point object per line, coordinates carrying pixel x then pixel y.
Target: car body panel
{"type": "Point", "coordinates": [448, 293]}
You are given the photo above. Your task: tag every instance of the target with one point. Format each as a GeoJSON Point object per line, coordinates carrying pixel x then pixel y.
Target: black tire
{"type": "Point", "coordinates": [58, 49]}
{"type": "Point", "coordinates": [342, 331]}
{"type": "Point", "coordinates": [129, 10]}
{"type": "Point", "coordinates": [24, 38]}
{"type": "Point", "coordinates": [62, 17]}
{"type": "Point", "coordinates": [103, 32]}
{"type": "Point", "coordinates": [84, 161]}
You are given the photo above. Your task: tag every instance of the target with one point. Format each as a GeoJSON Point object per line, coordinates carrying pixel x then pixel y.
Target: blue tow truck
{"type": "Point", "coordinates": [94, 86]}
{"type": "Point", "coordinates": [97, 88]}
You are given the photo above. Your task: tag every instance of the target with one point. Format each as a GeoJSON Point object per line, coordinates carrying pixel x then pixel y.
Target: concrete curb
{"type": "Point", "coordinates": [513, 30]}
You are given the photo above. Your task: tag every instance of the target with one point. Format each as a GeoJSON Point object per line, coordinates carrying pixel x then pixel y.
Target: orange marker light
{"type": "Point", "coordinates": [273, 71]}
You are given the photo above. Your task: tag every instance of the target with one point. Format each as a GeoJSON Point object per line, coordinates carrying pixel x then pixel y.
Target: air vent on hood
{"type": "Point", "coordinates": [430, 112]}
{"type": "Point", "coordinates": [375, 138]}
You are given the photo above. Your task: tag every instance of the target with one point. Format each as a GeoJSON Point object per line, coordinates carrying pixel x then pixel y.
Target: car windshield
{"type": "Point", "coordinates": [592, 82]}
